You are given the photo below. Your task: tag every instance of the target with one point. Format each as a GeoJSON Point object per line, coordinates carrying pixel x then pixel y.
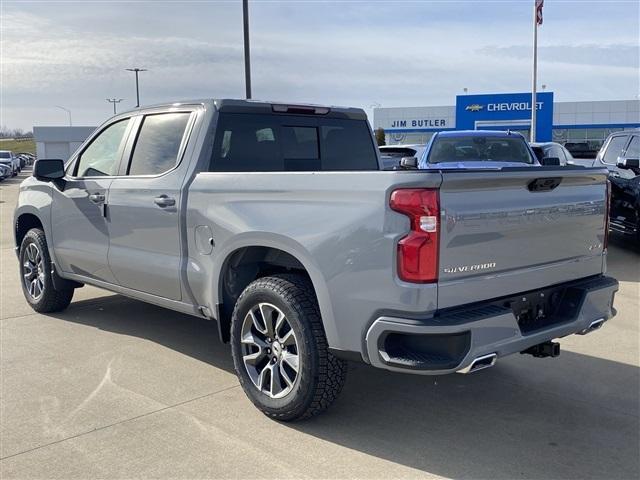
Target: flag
{"type": "Point", "coordinates": [539, 5]}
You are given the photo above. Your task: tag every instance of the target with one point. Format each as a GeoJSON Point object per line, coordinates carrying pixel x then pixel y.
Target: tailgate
{"type": "Point", "coordinates": [518, 229]}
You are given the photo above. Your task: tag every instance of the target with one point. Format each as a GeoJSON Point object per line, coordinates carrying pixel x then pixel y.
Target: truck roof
{"type": "Point", "coordinates": [231, 105]}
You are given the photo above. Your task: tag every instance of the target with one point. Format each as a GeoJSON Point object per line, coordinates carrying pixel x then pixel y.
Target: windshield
{"type": "Point", "coordinates": [5, 155]}
{"type": "Point", "coordinates": [479, 149]}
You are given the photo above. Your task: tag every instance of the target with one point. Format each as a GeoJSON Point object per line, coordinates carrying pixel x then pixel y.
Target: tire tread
{"type": "Point", "coordinates": [52, 300]}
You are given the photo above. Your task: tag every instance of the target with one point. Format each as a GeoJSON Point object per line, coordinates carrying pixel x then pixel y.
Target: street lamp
{"type": "Point", "coordinates": [247, 60]}
{"type": "Point", "coordinates": [114, 101]}
{"type": "Point", "coordinates": [136, 70]}
{"type": "Point", "coordinates": [68, 113]}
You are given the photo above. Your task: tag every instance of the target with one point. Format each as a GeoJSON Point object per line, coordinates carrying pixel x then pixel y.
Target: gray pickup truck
{"type": "Point", "coordinates": [277, 222]}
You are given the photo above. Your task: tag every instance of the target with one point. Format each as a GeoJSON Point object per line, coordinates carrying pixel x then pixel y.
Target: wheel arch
{"type": "Point", "coordinates": [25, 221]}
{"type": "Point", "coordinates": [249, 261]}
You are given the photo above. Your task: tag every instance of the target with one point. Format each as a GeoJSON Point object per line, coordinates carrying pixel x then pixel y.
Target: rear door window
{"type": "Point", "coordinates": [614, 149]}
{"type": "Point", "coordinates": [158, 143]}
{"type": "Point", "coordinates": [271, 143]}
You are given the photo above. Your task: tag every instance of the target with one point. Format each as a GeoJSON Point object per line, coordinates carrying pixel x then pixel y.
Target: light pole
{"type": "Point", "coordinates": [114, 101]}
{"type": "Point", "coordinates": [247, 61]}
{"type": "Point", "coordinates": [68, 113]}
{"type": "Point", "coordinates": [136, 70]}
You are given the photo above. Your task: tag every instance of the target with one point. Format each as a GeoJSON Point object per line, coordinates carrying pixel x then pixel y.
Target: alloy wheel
{"type": "Point", "coordinates": [269, 350]}
{"type": "Point", "coordinates": [33, 271]}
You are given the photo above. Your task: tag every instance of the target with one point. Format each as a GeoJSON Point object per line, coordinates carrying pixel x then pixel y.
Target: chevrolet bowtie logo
{"type": "Point", "coordinates": [474, 108]}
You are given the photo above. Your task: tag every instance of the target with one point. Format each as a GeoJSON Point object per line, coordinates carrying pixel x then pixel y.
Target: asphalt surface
{"type": "Point", "coordinates": [115, 388]}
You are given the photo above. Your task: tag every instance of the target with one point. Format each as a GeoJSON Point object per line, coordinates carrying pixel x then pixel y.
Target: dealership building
{"type": "Point", "coordinates": [59, 142]}
{"type": "Point", "coordinates": [556, 121]}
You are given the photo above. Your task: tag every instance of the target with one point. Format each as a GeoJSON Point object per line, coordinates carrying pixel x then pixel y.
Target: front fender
{"type": "Point", "coordinates": [34, 198]}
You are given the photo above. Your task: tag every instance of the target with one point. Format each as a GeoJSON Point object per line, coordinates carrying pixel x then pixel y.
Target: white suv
{"type": "Point", "coordinates": [9, 159]}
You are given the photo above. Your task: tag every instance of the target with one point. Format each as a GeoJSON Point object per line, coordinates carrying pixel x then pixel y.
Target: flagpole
{"type": "Point", "coordinates": [534, 76]}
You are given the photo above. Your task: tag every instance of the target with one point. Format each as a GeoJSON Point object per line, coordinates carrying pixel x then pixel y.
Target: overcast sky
{"type": "Point", "coordinates": [342, 53]}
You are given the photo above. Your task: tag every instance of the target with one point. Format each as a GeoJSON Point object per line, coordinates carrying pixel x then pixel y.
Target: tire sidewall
{"type": "Point", "coordinates": [302, 393]}
{"type": "Point", "coordinates": [36, 237]}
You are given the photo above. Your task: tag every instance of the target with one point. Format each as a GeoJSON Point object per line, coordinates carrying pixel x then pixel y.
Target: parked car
{"type": "Point", "coordinates": [581, 149]}
{"type": "Point", "coordinates": [29, 157]}
{"type": "Point", "coordinates": [477, 149]}
{"type": "Point", "coordinates": [276, 222]}
{"type": "Point", "coordinates": [5, 171]}
{"type": "Point", "coordinates": [552, 150]}
{"type": "Point", "coordinates": [392, 154]}
{"type": "Point", "coordinates": [25, 159]}
{"type": "Point", "coordinates": [8, 158]}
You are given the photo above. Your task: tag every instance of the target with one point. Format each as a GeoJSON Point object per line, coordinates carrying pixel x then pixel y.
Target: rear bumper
{"type": "Point", "coordinates": [451, 340]}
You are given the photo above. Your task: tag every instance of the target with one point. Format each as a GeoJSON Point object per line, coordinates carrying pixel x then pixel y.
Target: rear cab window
{"type": "Point", "coordinates": [476, 148]}
{"type": "Point", "coordinates": [247, 142]}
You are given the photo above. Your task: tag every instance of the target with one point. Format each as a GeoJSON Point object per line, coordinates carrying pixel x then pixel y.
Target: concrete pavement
{"type": "Point", "coordinates": [115, 388]}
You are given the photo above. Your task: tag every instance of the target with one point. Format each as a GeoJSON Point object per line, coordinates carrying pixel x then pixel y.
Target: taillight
{"type": "Point", "coordinates": [605, 242]}
{"type": "Point", "coordinates": [418, 251]}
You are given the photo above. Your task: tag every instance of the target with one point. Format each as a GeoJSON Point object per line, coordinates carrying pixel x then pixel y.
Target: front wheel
{"type": "Point", "coordinates": [280, 351]}
{"type": "Point", "coordinates": [35, 271]}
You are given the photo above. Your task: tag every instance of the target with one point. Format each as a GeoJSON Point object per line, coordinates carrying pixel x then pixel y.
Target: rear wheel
{"type": "Point", "coordinates": [35, 270]}
{"type": "Point", "coordinates": [280, 352]}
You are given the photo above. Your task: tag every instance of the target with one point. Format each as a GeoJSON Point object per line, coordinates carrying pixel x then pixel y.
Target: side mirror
{"type": "Point", "coordinates": [48, 169]}
{"type": "Point", "coordinates": [409, 163]}
{"type": "Point", "coordinates": [628, 163]}
{"type": "Point", "coordinates": [550, 161]}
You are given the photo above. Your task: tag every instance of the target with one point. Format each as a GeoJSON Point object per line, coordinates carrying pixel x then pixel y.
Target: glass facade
{"type": "Point", "coordinates": [594, 136]}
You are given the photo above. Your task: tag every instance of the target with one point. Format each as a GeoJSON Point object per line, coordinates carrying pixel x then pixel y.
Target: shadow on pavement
{"type": "Point", "coordinates": [623, 258]}
{"type": "Point", "coordinates": [189, 335]}
{"type": "Point", "coordinates": [572, 417]}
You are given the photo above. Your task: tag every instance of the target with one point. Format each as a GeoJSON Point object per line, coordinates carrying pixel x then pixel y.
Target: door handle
{"type": "Point", "coordinates": [96, 198]}
{"type": "Point", "coordinates": [164, 201]}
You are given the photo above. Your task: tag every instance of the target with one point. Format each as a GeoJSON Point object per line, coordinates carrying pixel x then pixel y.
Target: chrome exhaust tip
{"type": "Point", "coordinates": [480, 363]}
{"type": "Point", "coordinates": [593, 326]}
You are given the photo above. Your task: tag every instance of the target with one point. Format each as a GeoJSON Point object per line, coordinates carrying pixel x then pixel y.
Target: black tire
{"type": "Point", "coordinates": [50, 299]}
{"type": "Point", "coordinates": [320, 376]}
